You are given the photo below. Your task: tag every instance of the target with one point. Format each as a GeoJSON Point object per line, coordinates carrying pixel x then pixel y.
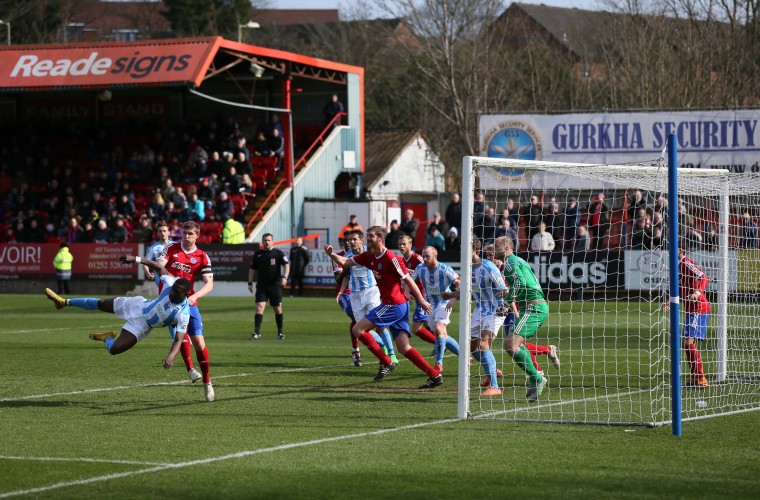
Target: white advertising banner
{"type": "Point", "coordinates": [648, 270]}
{"type": "Point", "coordinates": [706, 139]}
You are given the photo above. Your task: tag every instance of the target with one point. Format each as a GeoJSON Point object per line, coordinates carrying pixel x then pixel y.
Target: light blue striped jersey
{"type": "Point", "coordinates": [163, 312]}
{"type": "Point", "coordinates": [487, 280]}
{"type": "Point", "coordinates": [361, 278]}
{"type": "Point", "coordinates": [435, 281]}
{"type": "Point", "coordinates": [153, 253]}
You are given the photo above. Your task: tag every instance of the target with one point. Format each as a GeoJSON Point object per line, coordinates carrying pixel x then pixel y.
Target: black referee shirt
{"type": "Point", "coordinates": [268, 264]}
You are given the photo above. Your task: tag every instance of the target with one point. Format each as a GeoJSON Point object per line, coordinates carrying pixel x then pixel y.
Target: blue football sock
{"type": "Point", "coordinates": [91, 304]}
{"type": "Point", "coordinates": [377, 338]}
{"type": "Point", "coordinates": [387, 341]}
{"type": "Point", "coordinates": [477, 355]}
{"type": "Point", "coordinates": [440, 348]}
{"type": "Point", "coordinates": [491, 368]}
{"type": "Point", "coordinates": [109, 342]}
{"type": "Point", "coordinates": [452, 345]}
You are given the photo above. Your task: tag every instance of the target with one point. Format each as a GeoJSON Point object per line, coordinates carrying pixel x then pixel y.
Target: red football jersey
{"type": "Point", "coordinates": [411, 264]}
{"type": "Point", "coordinates": [692, 279]}
{"type": "Point", "coordinates": [188, 265]}
{"type": "Point", "coordinates": [389, 270]}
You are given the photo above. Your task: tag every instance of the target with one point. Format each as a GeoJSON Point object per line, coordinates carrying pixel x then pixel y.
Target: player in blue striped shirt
{"type": "Point", "coordinates": [365, 295]}
{"type": "Point", "coordinates": [438, 278]}
{"type": "Point", "coordinates": [488, 290]}
{"type": "Point", "coordinates": [170, 309]}
{"type": "Point", "coordinates": [157, 248]}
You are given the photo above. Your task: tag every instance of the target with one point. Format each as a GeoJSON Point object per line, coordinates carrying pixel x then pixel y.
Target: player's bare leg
{"type": "Point", "coordinates": [124, 342]}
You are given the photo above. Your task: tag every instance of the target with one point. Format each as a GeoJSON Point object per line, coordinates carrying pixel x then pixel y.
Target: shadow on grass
{"type": "Point", "coordinates": [33, 404]}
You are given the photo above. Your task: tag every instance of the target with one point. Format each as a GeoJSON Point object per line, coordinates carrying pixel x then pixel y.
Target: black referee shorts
{"type": "Point", "coordinates": [273, 293]}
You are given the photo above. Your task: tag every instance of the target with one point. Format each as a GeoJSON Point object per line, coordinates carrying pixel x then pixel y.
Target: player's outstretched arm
{"type": "Point", "coordinates": [340, 260]}
{"type": "Point", "coordinates": [174, 350]}
{"type": "Point", "coordinates": [155, 266]}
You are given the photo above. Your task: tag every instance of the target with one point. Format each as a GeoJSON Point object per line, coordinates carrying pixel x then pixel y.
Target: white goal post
{"type": "Point", "coordinates": [605, 302]}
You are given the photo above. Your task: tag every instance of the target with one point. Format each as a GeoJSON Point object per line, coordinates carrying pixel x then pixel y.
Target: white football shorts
{"type": "Point", "coordinates": [485, 322]}
{"type": "Point", "coordinates": [130, 309]}
{"type": "Point", "coordinates": [363, 302]}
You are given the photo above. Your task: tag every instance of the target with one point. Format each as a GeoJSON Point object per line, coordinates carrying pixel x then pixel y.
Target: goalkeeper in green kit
{"type": "Point", "coordinates": [525, 292]}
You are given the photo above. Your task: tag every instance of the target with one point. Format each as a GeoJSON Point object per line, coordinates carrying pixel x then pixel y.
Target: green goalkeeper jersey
{"type": "Point", "coordinates": [523, 284]}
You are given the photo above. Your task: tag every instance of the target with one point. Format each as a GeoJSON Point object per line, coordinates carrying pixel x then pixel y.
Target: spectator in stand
{"type": "Point", "coordinates": [635, 202]}
{"type": "Point", "coordinates": [711, 238]}
{"type": "Point", "coordinates": [240, 146]}
{"type": "Point", "coordinates": [598, 220]}
{"type": "Point", "coordinates": [506, 229]}
{"type": "Point", "coordinates": [478, 212]}
{"type": "Point", "coordinates": [658, 222]}
{"type": "Point", "coordinates": [119, 232]}
{"type": "Point", "coordinates": [351, 225]}
{"type": "Point", "coordinates": [435, 239]}
{"type": "Point", "coordinates": [408, 226]}
{"type": "Point", "coordinates": [391, 240]}
{"type": "Point", "coordinates": [216, 164]}
{"type": "Point", "coordinates": [690, 238]}
{"type": "Point", "coordinates": [233, 232]}
{"type": "Point", "coordinates": [208, 190]}
{"type": "Point", "coordinates": [101, 233]}
{"type": "Point", "coordinates": [35, 233]}
{"type": "Point", "coordinates": [748, 235]}
{"type": "Point", "coordinates": [582, 243]}
{"type": "Point", "coordinates": [452, 241]}
{"type": "Point", "coordinates": [657, 242]}
{"type": "Point", "coordinates": [143, 233]}
{"type": "Point", "coordinates": [641, 237]}
{"type": "Point", "coordinates": [167, 189]}
{"type": "Point", "coordinates": [514, 214]}
{"type": "Point", "coordinates": [74, 233]}
{"type": "Point", "coordinates": [542, 241]}
{"type": "Point", "coordinates": [553, 218]}
{"type": "Point", "coordinates": [157, 206]}
{"type": "Point", "coordinates": [196, 209]}
{"type": "Point", "coordinates": [99, 204]}
{"type": "Point", "coordinates": [223, 208]}
{"type": "Point", "coordinates": [332, 109]}
{"type": "Point", "coordinates": [454, 212]}
{"type": "Point", "coordinates": [233, 181]}
{"type": "Point", "coordinates": [439, 223]}
{"type": "Point", "coordinates": [261, 146]}
{"type": "Point", "coordinates": [242, 164]}
{"type": "Point", "coordinates": [571, 220]}
{"type": "Point", "coordinates": [274, 124]}
{"type": "Point", "coordinates": [126, 207]}
{"type": "Point", "coordinates": [10, 236]}
{"type": "Point", "coordinates": [661, 205]}
{"type": "Point", "coordinates": [534, 214]}
{"type": "Point", "coordinates": [299, 259]}
{"type": "Point", "coordinates": [489, 226]}
{"type": "Point", "coordinates": [276, 146]}
{"type": "Point", "coordinates": [179, 199]}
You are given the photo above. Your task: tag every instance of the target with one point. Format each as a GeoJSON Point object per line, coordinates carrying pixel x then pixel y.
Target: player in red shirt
{"type": "Point", "coordinates": [185, 260]}
{"type": "Point", "coordinates": [390, 272]}
{"type": "Point", "coordinates": [692, 285]}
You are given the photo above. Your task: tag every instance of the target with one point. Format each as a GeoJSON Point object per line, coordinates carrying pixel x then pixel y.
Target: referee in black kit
{"type": "Point", "coordinates": [265, 271]}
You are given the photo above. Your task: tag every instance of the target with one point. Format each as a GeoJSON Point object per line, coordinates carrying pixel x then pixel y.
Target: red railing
{"type": "Point", "coordinates": [260, 212]}
{"type": "Point", "coordinates": [318, 141]}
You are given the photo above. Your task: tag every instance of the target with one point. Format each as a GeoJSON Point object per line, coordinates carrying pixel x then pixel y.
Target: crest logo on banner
{"type": "Point", "coordinates": [514, 140]}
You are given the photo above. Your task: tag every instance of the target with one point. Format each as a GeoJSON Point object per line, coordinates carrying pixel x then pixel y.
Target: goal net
{"type": "Point", "coordinates": [597, 240]}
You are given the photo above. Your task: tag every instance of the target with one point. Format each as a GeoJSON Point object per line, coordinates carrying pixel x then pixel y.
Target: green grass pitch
{"type": "Point", "coordinates": [296, 419]}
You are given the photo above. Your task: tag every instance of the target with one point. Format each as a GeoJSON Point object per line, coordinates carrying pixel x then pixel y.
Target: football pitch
{"type": "Point", "coordinates": [296, 419]}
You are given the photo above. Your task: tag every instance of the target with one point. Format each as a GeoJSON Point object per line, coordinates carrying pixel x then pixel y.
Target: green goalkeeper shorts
{"type": "Point", "coordinates": [530, 320]}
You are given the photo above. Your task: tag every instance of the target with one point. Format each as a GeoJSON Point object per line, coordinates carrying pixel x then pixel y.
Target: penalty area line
{"type": "Point", "coordinates": [159, 384]}
{"type": "Point", "coordinates": [231, 456]}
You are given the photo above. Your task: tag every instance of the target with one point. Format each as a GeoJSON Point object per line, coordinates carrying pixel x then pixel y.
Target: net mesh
{"type": "Point", "coordinates": [596, 237]}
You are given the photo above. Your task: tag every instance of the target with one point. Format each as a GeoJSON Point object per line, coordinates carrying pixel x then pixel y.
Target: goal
{"type": "Point", "coordinates": [606, 296]}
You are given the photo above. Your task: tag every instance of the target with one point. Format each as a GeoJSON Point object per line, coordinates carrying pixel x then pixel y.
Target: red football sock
{"type": "Point", "coordinates": [416, 358]}
{"type": "Point", "coordinates": [354, 340]}
{"type": "Point", "coordinates": [367, 340]}
{"type": "Point", "coordinates": [425, 335]}
{"type": "Point", "coordinates": [186, 351]}
{"type": "Point", "coordinates": [695, 360]}
{"type": "Point", "coordinates": [538, 349]}
{"type": "Point", "coordinates": [203, 361]}
{"type": "Point", "coordinates": [533, 358]}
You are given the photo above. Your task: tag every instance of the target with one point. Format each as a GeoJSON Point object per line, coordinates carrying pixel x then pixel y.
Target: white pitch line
{"type": "Point", "coordinates": [157, 384]}
{"type": "Point", "coordinates": [231, 456]}
{"type": "Point", "coordinates": [81, 459]}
